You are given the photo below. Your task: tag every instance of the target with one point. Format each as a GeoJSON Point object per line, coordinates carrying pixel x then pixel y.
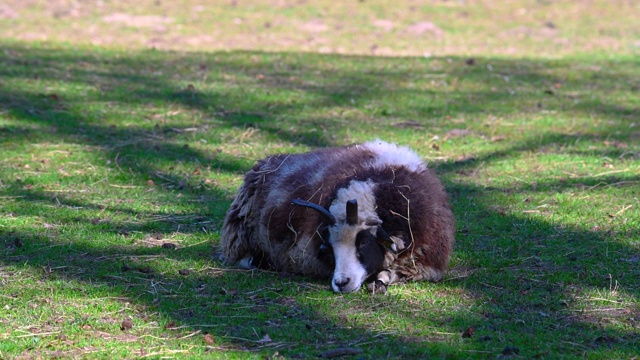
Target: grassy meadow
{"type": "Point", "coordinates": [126, 128]}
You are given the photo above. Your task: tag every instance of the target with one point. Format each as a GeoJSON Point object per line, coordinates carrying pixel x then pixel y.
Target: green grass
{"type": "Point", "coordinates": [117, 165]}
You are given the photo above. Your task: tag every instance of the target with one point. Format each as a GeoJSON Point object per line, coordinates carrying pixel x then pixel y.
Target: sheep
{"type": "Point", "coordinates": [367, 212]}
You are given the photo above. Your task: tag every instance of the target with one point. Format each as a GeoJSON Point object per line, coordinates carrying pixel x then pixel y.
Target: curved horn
{"type": "Point", "coordinates": [329, 216]}
{"type": "Point", "coordinates": [352, 212]}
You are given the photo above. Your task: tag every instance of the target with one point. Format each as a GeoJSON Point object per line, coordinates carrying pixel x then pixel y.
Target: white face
{"type": "Point", "coordinates": [356, 254]}
{"type": "Point", "coordinates": [349, 273]}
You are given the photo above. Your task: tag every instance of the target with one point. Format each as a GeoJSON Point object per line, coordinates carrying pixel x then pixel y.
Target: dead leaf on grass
{"type": "Point", "coordinates": [468, 332]}
{"type": "Point", "coordinates": [208, 339]}
{"type": "Point", "coordinates": [170, 326]}
{"type": "Point", "coordinates": [127, 324]}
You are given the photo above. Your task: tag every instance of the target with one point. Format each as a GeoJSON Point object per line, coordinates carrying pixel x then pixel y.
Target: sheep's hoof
{"type": "Point", "coordinates": [246, 263]}
{"type": "Point", "coordinates": [377, 287]}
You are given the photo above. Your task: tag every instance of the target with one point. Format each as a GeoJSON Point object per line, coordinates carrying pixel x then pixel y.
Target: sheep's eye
{"type": "Point", "coordinates": [361, 242]}
{"type": "Point", "coordinates": [325, 251]}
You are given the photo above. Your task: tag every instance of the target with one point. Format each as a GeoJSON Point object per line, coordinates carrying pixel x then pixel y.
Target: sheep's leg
{"type": "Point", "coordinates": [246, 263]}
{"type": "Point", "coordinates": [384, 278]}
{"type": "Point", "coordinates": [388, 276]}
{"type": "Point", "coordinates": [255, 260]}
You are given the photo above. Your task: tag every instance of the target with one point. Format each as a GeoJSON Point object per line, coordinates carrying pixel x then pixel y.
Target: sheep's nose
{"type": "Point", "coordinates": [341, 283]}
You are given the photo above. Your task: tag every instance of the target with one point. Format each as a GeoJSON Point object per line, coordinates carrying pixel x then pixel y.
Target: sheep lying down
{"type": "Point", "coordinates": [367, 212]}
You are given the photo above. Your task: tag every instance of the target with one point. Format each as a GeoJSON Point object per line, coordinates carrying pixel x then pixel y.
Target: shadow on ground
{"type": "Point", "coordinates": [506, 259]}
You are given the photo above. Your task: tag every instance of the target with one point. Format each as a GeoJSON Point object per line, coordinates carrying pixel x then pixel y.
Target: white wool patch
{"type": "Point", "coordinates": [361, 191]}
{"type": "Point", "coordinates": [393, 155]}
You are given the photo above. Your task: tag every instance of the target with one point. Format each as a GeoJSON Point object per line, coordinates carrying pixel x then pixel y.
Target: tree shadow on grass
{"type": "Point", "coordinates": [511, 259]}
{"type": "Point", "coordinates": [237, 307]}
{"type": "Point", "coordinates": [509, 267]}
{"type": "Point", "coordinates": [259, 89]}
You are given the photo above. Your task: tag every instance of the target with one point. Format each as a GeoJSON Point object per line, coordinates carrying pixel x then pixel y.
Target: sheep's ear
{"type": "Point", "coordinates": [373, 222]}
{"type": "Point", "coordinates": [328, 216]}
{"type": "Point", "coordinates": [383, 238]}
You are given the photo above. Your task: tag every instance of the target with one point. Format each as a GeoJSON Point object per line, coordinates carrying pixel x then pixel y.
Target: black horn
{"type": "Point", "coordinates": [329, 216]}
{"type": "Point", "coordinates": [352, 212]}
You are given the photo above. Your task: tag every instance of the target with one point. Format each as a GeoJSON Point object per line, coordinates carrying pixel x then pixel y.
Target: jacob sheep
{"type": "Point", "coordinates": [371, 211]}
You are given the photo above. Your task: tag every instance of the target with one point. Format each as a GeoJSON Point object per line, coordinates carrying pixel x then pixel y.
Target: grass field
{"type": "Point", "coordinates": [125, 130]}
